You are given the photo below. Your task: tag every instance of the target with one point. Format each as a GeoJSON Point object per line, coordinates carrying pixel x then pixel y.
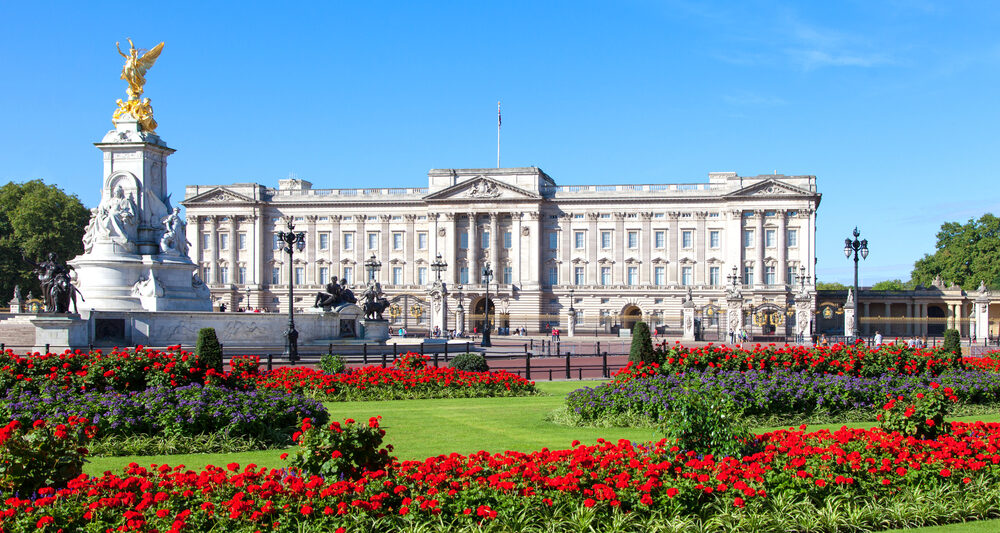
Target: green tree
{"type": "Point", "coordinates": [642, 344]}
{"type": "Point", "coordinates": [830, 286]}
{"type": "Point", "coordinates": [38, 219]}
{"type": "Point", "coordinates": [892, 285]}
{"type": "Point", "coordinates": [966, 254]}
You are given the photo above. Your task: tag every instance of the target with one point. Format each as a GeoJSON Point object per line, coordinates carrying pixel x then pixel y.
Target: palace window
{"type": "Point", "coordinates": [223, 241]}
{"type": "Point", "coordinates": [241, 275]}
{"type": "Point", "coordinates": [748, 276]}
{"type": "Point", "coordinates": [463, 240]}
{"type": "Point", "coordinates": [206, 240]}
{"type": "Point", "coordinates": [242, 240]}
{"type": "Point", "coordinates": [397, 241]}
{"type": "Point", "coordinates": [463, 275]}
{"type": "Point", "coordinates": [349, 275]}
{"type": "Point", "coordinates": [373, 241]}
{"type": "Point", "coordinates": [553, 276]}
{"type": "Point", "coordinates": [507, 240]}
{"type": "Point", "coordinates": [553, 240]}
{"type": "Point", "coordinates": [713, 239]}
{"type": "Point", "coordinates": [792, 275]}
{"type": "Point", "coordinates": [397, 275]}
{"type": "Point", "coordinates": [422, 275]}
{"type": "Point", "coordinates": [748, 238]}
{"type": "Point", "coordinates": [485, 241]}
{"type": "Point", "coordinates": [324, 241]}
{"type": "Point", "coordinates": [633, 239]}
{"type": "Point", "coordinates": [793, 237]}
{"type": "Point", "coordinates": [659, 238]}
{"type": "Point", "coordinates": [508, 274]}
{"type": "Point", "coordinates": [632, 275]}
{"type": "Point", "coordinates": [324, 275]}
{"type": "Point", "coordinates": [300, 275]}
{"type": "Point", "coordinates": [422, 240]}
{"type": "Point", "coordinates": [348, 241]}
{"type": "Point", "coordinates": [769, 238]}
{"type": "Point", "coordinates": [605, 275]}
{"type": "Point", "coordinates": [713, 276]}
{"type": "Point", "coordinates": [275, 275]}
{"type": "Point", "coordinates": [578, 237]}
{"type": "Point", "coordinates": [769, 275]}
{"type": "Point", "coordinates": [605, 240]}
{"type": "Point", "coordinates": [687, 239]}
{"type": "Point", "coordinates": [686, 278]}
{"type": "Point", "coordinates": [223, 275]}
{"type": "Point", "coordinates": [207, 273]}
{"type": "Point", "coordinates": [659, 275]}
{"type": "Point", "coordinates": [578, 278]}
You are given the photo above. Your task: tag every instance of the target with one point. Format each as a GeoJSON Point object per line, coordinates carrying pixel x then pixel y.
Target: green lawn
{"type": "Point", "coordinates": [424, 428]}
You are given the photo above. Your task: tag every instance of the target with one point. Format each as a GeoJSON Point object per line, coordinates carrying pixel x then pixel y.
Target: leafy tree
{"type": "Point", "coordinates": [38, 219]}
{"type": "Point", "coordinates": [830, 286]}
{"type": "Point", "coordinates": [892, 285]}
{"type": "Point", "coordinates": [966, 254]}
{"type": "Point", "coordinates": [642, 344]}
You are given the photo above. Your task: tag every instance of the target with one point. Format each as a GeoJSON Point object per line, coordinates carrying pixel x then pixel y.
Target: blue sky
{"type": "Point", "coordinates": [891, 104]}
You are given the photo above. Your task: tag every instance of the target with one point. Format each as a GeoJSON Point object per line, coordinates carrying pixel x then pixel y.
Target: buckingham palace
{"type": "Point", "coordinates": [605, 255]}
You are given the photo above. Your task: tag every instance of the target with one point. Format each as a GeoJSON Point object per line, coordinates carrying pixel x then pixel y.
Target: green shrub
{"type": "Point", "coordinates": [340, 450]}
{"type": "Point", "coordinates": [48, 453]}
{"type": "Point", "coordinates": [208, 349]}
{"type": "Point", "coordinates": [332, 363]}
{"type": "Point", "coordinates": [706, 420]}
{"type": "Point", "coordinates": [920, 413]}
{"type": "Point", "coordinates": [470, 362]}
{"type": "Point", "coordinates": [952, 342]}
{"type": "Point", "coordinates": [642, 345]}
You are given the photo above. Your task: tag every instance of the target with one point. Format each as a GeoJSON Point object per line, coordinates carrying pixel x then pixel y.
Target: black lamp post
{"type": "Point", "coordinates": [438, 266]}
{"type": "Point", "coordinates": [487, 278]}
{"type": "Point", "coordinates": [290, 242]}
{"type": "Point", "coordinates": [372, 265]}
{"type": "Point", "coordinates": [854, 247]}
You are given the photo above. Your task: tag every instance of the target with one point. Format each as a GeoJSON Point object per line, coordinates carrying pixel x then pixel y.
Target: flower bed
{"type": "Point", "coordinates": [376, 383]}
{"type": "Point", "coordinates": [639, 395]}
{"type": "Point", "coordinates": [266, 416]}
{"type": "Point", "coordinates": [857, 360]}
{"type": "Point", "coordinates": [867, 473]}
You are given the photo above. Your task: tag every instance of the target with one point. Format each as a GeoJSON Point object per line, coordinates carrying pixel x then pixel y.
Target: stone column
{"type": "Point", "coordinates": [535, 247]}
{"type": "Point", "coordinates": [700, 242]}
{"type": "Point", "coordinates": [621, 241]}
{"type": "Point", "coordinates": [673, 248]}
{"type": "Point", "coordinates": [432, 237]}
{"type": "Point", "coordinates": [410, 274]}
{"type": "Point", "coordinates": [887, 320]}
{"type": "Point", "coordinates": [361, 250]}
{"type": "Point", "coordinates": [566, 266]}
{"type": "Point", "coordinates": [733, 241]}
{"type": "Point", "coordinates": [214, 221]}
{"type": "Point", "coordinates": [473, 252]}
{"type": "Point", "coordinates": [451, 245]}
{"type": "Point", "coordinates": [496, 244]}
{"type": "Point", "coordinates": [312, 245]}
{"type": "Point", "coordinates": [194, 230]}
{"type": "Point", "coordinates": [958, 318]}
{"type": "Point", "coordinates": [385, 247]}
{"type": "Point", "coordinates": [646, 242]}
{"type": "Point", "coordinates": [758, 264]}
{"type": "Point", "coordinates": [593, 245]}
{"type": "Point", "coordinates": [515, 243]}
{"type": "Point", "coordinates": [335, 246]}
{"type": "Point", "coordinates": [260, 240]}
{"type": "Point", "coordinates": [782, 274]}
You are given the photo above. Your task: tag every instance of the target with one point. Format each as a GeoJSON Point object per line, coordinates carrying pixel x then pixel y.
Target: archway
{"type": "Point", "coordinates": [936, 321]}
{"type": "Point", "coordinates": [631, 315]}
{"type": "Point", "coordinates": [479, 313]}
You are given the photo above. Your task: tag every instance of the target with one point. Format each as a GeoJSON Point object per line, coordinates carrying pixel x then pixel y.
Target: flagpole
{"type": "Point", "coordinates": [498, 134]}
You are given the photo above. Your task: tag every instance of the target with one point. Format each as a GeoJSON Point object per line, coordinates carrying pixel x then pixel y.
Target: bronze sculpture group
{"type": "Point", "coordinates": [57, 288]}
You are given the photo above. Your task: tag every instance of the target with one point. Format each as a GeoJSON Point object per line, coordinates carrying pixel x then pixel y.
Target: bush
{"type": "Point", "coordinates": [470, 362]}
{"type": "Point", "coordinates": [952, 342]}
{"type": "Point", "coordinates": [706, 420]}
{"type": "Point", "coordinates": [340, 450]}
{"type": "Point", "coordinates": [332, 363]}
{"type": "Point", "coordinates": [208, 349]}
{"type": "Point", "coordinates": [43, 454]}
{"type": "Point", "coordinates": [642, 345]}
{"type": "Point", "coordinates": [919, 415]}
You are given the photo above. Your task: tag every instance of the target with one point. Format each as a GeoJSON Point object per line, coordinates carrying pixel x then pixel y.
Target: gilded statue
{"type": "Point", "coordinates": [134, 72]}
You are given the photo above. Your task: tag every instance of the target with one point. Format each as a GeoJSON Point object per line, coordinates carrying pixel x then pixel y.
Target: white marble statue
{"type": "Point", "coordinates": [174, 240]}
{"type": "Point", "coordinates": [117, 219]}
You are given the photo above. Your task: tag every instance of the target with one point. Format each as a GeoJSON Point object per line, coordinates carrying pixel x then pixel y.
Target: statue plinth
{"type": "Point", "coordinates": [376, 331]}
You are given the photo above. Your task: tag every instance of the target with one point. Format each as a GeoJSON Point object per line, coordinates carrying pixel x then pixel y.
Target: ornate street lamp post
{"type": "Point", "coordinates": [854, 247]}
{"type": "Point", "coordinates": [290, 242]}
{"type": "Point", "coordinates": [438, 266]}
{"type": "Point", "coordinates": [487, 278]}
{"type": "Point", "coordinates": [372, 265]}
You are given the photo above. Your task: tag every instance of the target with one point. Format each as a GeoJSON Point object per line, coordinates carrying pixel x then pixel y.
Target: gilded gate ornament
{"type": "Point", "coordinates": [134, 73]}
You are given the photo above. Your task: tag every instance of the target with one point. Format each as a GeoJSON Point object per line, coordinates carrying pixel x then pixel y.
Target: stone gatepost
{"type": "Point", "coordinates": [849, 314]}
{"type": "Point", "coordinates": [981, 308]}
{"type": "Point", "coordinates": [438, 296]}
{"type": "Point", "coordinates": [571, 322]}
{"type": "Point", "coordinates": [687, 318]}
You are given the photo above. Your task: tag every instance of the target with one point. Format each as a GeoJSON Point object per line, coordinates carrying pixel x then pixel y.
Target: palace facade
{"type": "Point", "coordinates": [615, 253]}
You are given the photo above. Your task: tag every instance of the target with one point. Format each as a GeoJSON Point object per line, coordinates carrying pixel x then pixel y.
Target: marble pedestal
{"type": "Point", "coordinates": [376, 331]}
{"type": "Point", "coordinates": [60, 331]}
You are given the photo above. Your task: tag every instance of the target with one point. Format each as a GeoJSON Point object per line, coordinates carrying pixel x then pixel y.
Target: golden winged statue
{"type": "Point", "coordinates": [134, 72]}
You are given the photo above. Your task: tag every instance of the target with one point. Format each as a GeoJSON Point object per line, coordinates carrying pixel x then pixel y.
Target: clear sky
{"type": "Point", "coordinates": [891, 104]}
